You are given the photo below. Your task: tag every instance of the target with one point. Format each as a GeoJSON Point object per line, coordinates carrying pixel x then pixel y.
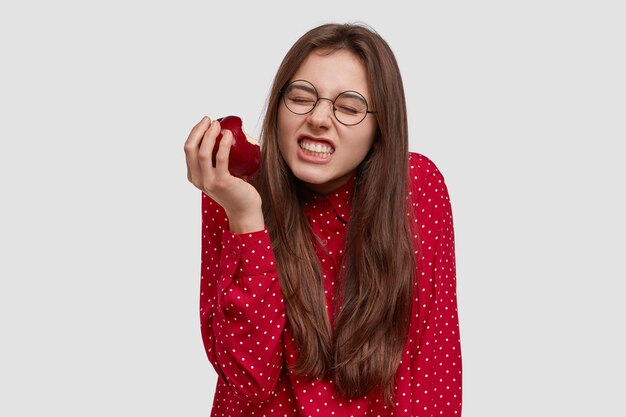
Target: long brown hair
{"type": "Point", "coordinates": [363, 350]}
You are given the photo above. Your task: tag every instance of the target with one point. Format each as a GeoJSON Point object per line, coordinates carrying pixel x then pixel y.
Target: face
{"type": "Point", "coordinates": [320, 151]}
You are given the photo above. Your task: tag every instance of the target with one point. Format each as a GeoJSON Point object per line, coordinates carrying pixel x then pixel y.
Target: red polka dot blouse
{"type": "Point", "coordinates": [247, 338]}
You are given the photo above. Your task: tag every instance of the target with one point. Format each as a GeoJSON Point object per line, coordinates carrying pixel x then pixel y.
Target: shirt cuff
{"type": "Point", "coordinates": [248, 254]}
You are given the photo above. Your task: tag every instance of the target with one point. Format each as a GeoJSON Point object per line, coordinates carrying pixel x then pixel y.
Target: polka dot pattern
{"type": "Point", "coordinates": [248, 340]}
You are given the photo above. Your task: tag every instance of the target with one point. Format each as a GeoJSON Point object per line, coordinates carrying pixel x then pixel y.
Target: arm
{"type": "Point", "coordinates": [241, 308]}
{"type": "Point", "coordinates": [436, 355]}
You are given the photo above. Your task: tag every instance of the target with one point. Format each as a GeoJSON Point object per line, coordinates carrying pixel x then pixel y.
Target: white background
{"type": "Point", "coordinates": [521, 105]}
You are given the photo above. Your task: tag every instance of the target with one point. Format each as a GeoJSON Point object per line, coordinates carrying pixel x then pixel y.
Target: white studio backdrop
{"type": "Point", "coordinates": [520, 104]}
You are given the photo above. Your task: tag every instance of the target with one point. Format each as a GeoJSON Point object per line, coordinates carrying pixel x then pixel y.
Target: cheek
{"type": "Point", "coordinates": [283, 129]}
{"type": "Point", "coordinates": [286, 129]}
{"type": "Point", "coordinates": [367, 141]}
{"type": "Point", "coordinates": [283, 134]}
{"type": "Point", "coordinates": [283, 118]}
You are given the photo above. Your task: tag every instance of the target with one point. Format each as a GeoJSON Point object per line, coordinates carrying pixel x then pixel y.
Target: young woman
{"type": "Point", "coordinates": [328, 279]}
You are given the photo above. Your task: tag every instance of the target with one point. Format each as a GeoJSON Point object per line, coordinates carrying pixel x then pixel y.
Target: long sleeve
{"type": "Point", "coordinates": [436, 355]}
{"type": "Point", "coordinates": [242, 313]}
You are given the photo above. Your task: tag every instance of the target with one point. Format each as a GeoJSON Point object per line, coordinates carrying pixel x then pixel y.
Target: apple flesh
{"type": "Point", "coordinates": [245, 152]}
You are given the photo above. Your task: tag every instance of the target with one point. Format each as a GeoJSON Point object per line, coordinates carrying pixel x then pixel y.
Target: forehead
{"type": "Point", "coordinates": [333, 72]}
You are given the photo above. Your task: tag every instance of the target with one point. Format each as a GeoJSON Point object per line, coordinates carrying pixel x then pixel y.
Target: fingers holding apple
{"type": "Point", "coordinates": [217, 166]}
{"type": "Point", "coordinates": [220, 158]}
{"type": "Point", "coordinates": [244, 156]}
{"type": "Point", "coordinates": [245, 153]}
{"type": "Point", "coordinates": [240, 200]}
{"type": "Point", "coordinates": [199, 138]}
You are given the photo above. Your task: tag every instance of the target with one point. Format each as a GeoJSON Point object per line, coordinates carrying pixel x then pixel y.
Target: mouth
{"type": "Point", "coordinates": [316, 148]}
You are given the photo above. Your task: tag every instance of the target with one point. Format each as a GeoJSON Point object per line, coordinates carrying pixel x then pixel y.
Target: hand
{"type": "Point", "coordinates": [240, 200]}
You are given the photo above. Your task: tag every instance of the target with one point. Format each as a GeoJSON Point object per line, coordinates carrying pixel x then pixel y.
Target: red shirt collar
{"type": "Point", "coordinates": [339, 200]}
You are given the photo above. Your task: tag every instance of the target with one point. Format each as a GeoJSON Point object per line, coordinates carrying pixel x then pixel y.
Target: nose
{"type": "Point", "coordinates": [321, 113]}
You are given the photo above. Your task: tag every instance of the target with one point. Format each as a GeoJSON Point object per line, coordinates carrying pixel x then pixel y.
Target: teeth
{"type": "Point", "coordinates": [316, 147]}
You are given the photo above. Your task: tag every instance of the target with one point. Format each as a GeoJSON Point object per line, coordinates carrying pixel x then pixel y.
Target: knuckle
{"type": "Point", "coordinates": [189, 148]}
{"type": "Point", "coordinates": [221, 157]}
{"type": "Point", "coordinates": [204, 156]}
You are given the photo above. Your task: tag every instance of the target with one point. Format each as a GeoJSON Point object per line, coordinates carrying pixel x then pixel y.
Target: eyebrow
{"type": "Point", "coordinates": [311, 89]}
{"type": "Point", "coordinates": [304, 87]}
{"type": "Point", "coordinates": [353, 94]}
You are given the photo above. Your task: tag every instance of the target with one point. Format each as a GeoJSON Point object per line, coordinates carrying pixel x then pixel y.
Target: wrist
{"type": "Point", "coordinates": [246, 223]}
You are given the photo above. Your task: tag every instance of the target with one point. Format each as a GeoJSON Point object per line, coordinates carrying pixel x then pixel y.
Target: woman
{"type": "Point", "coordinates": [328, 279]}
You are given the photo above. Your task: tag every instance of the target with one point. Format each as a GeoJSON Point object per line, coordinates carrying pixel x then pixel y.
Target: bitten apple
{"type": "Point", "coordinates": [245, 152]}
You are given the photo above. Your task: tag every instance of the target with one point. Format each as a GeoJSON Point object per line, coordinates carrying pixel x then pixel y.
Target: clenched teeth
{"type": "Point", "coordinates": [316, 147]}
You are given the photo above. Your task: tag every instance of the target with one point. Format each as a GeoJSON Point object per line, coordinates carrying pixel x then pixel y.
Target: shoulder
{"type": "Point", "coordinates": [428, 194]}
{"type": "Point", "coordinates": [422, 167]}
{"type": "Point", "coordinates": [426, 182]}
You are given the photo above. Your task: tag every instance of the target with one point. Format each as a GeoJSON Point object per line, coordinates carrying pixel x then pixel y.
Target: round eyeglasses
{"type": "Point", "coordinates": [300, 97]}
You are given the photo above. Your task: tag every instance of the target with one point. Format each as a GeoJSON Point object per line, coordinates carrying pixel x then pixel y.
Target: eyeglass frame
{"type": "Point", "coordinates": [367, 110]}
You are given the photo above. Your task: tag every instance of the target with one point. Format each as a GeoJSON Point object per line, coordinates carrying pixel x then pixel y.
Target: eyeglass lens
{"type": "Point", "coordinates": [301, 97]}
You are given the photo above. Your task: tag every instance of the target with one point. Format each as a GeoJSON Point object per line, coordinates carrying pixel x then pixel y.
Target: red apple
{"type": "Point", "coordinates": [245, 152]}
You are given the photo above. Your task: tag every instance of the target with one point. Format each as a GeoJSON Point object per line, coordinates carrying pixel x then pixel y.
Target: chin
{"type": "Point", "coordinates": [310, 175]}
{"type": "Point", "coordinates": [320, 183]}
